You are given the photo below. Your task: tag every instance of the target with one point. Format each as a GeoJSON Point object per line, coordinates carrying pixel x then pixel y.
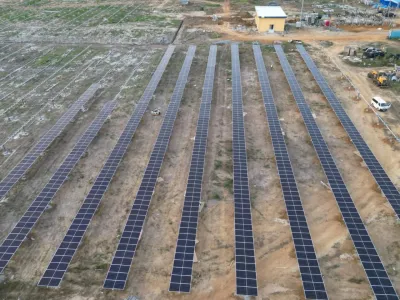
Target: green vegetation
{"type": "Point", "coordinates": [228, 184]}
{"type": "Point", "coordinates": [389, 60]}
{"type": "Point", "coordinates": [356, 280]}
{"type": "Point", "coordinates": [175, 23]}
{"type": "Point", "coordinates": [215, 35]}
{"type": "Point", "coordinates": [52, 57]}
{"type": "Point", "coordinates": [216, 196]}
{"type": "Point", "coordinates": [145, 18]}
{"type": "Point", "coordinates": [101, 266]}
{"type": "Point", "coordinates": [35, 2]}
{"type": "Point", "coordinates": [395, 86]}
{"type": "Point", "coordinates": [213, 5]}
{"type": "Point", "coordinates": [217, 164]}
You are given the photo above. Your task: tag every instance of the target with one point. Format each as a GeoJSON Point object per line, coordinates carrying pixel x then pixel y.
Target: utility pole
{"type": "Point", "coordinates": [301, 13]}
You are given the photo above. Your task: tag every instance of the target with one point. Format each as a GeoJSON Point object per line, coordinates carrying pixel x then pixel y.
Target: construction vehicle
{"type": "Point", "coordinates": [379, 78]}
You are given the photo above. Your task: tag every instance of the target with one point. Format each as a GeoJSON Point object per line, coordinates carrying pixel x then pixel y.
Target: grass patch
{"type": "Point", "coordinates": [35, 2]}
{"type": "Point", "coordinates": [217, 164]}
{"type": "Point", "coordinates": [145, 18]}
{"type": "Point", "coordinates": [101, 266]}
{"type": "Point", "coordinates": [228, 184]}
{"type": "Point", "coordinates": [216, 196]}
{"type": "Point", "coordinates": [395, 86]}
{"type": "Point", "coordinates": [55, 57]}
{"type": "Point", "coordinates": [78, 268]}
{"type": "Point", "coordinates": [387, 61]}
{"type": "Point", "coordinates": [9, 286]}
{"type": "Point", "coordinates": [356, 280]}
{"type": "Point", "coordinates": [215, 35]}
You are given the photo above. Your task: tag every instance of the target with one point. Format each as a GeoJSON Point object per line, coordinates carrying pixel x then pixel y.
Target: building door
{"type": "Point", "coordinates": [271, 28]}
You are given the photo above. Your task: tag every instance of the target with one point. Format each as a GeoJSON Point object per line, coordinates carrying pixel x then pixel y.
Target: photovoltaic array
{"type": "Point", "coordinates": [63, 256]}
{"type": "Point", "coordinates": [310, 272]}
{"type": "Point", "coordinates": [181, 276]}
{"type": "Point", "coordinates": [16, 174]}
{"type": "Point", "coordinates": [381, 178]}
{"type": "Point", "coordinates": [123, 257]}
{"type": "Point", "coordinates": [246, 277]}
{"type": "Point", "coordinates": [376, 273]}
{"type": "Point", "coordinates": [14, 240]}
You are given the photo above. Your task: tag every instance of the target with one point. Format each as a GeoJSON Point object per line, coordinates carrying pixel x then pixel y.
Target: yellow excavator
{"type": "Point", "coordinates": [379, 78]}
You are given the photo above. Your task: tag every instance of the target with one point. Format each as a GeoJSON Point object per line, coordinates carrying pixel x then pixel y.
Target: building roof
{"type": "Point", "coordinates": [270, 12]}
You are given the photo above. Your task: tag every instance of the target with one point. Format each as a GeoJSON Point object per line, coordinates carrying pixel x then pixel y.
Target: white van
{"type": "Point", "coordinates": [380, 104]}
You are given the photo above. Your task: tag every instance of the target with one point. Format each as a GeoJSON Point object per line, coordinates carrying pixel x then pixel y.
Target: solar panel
{"type": "Point", "coordinates": [14, 240]}
{"type": "Point", "coordinates": [19, 170]}
{"type": "Point", "coordinates": [381, 178]}
{"type": "Point", "coordinates": [246, 277]}
{"type": "Point", "coordinates": [123, 257]}
{"type": "Point", "coordinates": [310, 272]}
{"type": "Point", "coordinates": [63, 256]}
{"type": "Point", "coordinates": [376, 273]}
{"type": "Point", "coordinates": [181, 275]}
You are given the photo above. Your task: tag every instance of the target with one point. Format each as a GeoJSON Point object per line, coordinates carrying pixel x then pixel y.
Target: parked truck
{"type": "Point", "coordinates": [394, 34]}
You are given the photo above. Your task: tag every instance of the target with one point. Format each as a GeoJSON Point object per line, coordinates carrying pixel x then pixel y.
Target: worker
{"type": "Point", "coordinates": [272, 66]}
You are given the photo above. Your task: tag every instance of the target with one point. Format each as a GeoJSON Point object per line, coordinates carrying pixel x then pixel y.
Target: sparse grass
{"type": "Point", "coordinates": [101, 266]}
{"type": "Point", "coordinates": [228, 166]}
{"type": "Point", "coordinates": [267, 48]}
{"type": "Point", "coordinates": [217, 164]}
{"type": "Point", "coordinates": [78, 268]}
{"type": "Point", "coordinates": [55, 57]}
{"type": "Point", "coordinates": [215, 35]}
{"type": "Point", "coordinates": [356, 280]}
{"type": "Point", "coordinates": [216, 196]}
{"type": "Point", "coordinates": [35, 2]}
{"type": "Point", "coordinates": [8, 286]}
{"type": "Point", "coordinates": [395, 87]}
{"type": "Point", "coordinates": [145, 18]}
{"type": "Point", "coordinates": [213, 5]}
{"type": "Point", "coordinates": [228, 184]}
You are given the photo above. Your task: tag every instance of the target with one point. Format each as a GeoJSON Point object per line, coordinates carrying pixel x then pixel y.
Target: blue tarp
{"type": "Point", "coordinates": [390, 3]}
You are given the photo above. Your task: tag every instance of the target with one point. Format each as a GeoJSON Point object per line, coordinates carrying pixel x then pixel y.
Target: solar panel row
{"type": "Point", "coordinates": [310, 272]}
{"type": "Point", "coordinates": [14, 240]}
{"type": "Point", "coordinates": [63, 256]}
{"type": "Point", "coordinates": [118, 273]}
{"type": "Point", "coordinates": [19, 170]}
{"type": "Point", "coordinates": [181, 276]}
{"type": "Point", "coordinates": [246, 277]}
{"type": "Point", "coordinates": [376, 273]}
{"type": "Point", "coordinates": [381, 178]}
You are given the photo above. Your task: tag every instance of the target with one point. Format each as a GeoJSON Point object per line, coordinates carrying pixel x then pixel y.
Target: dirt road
{"type": "Point", "coordinates": [306, 35]}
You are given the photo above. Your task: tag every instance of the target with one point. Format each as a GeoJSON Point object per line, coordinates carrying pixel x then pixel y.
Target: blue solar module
{"type": "Point", "coordinates": [14, 240]}
{"type": "Point", "coordinates": [376, 273]}
{"type": "Point", "coordinates": [310, 272]}
{"type": "Point", "coordinates": [181, 276]}
{"type": "Point", "coordinates": [122, 260]}
{"type": "Point", "coordinates": [246, 277]}
{"type": "Point", "coordinates": [63, 256]}
{"type": "Point", "coordinates": [381, 178]}
{"type": "Point", "coordinates": [19, 170]}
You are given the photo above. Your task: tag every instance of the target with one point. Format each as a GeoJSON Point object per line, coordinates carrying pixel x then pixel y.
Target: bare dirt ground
{"type": "Point", "coordinates": [374, 209]}
{"type": "Point", "coordinates": [108, 58]}
{"type": "Point", "coordinates": [378, 137]}
{"type": "Point", "coordinates": [333, 246]}
{"type": "Point", "coordinates": [367, 89]}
